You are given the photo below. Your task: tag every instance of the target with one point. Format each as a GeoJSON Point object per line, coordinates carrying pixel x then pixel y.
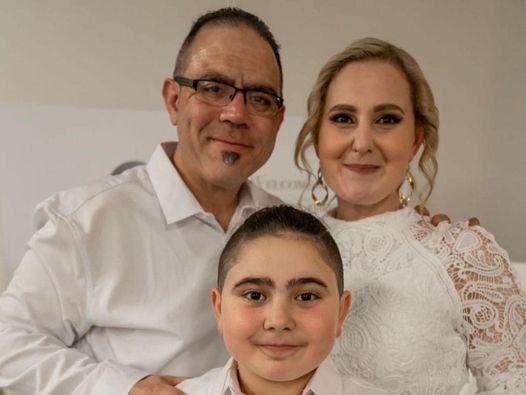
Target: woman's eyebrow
{"type": "Point", "coordinates": [343, 107]}
{"type": "Point", "coordinates": [388, 106]}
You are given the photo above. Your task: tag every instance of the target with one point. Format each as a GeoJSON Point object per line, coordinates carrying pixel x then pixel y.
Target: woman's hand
{"type": "Point", "coordinates": [438, 218]}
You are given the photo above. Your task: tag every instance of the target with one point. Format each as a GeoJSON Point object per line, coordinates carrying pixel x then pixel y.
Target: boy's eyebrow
{"type": "Point", "coordinates": [254, 280]}
{"type": "Point", "coordinates": [265, 281]}
{"type": "Point", "coordinates": [306, 280]}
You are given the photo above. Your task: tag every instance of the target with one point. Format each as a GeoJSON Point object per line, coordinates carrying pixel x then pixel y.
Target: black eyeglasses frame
{"type": "Point", "coordinates": [191, 83]}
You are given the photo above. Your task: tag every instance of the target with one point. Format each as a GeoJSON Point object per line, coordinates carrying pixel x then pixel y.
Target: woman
{"type": "Point", "coordinates": [428, 303]}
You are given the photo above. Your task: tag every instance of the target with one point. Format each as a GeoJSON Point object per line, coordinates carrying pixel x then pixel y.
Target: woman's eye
{"type": "Point", "coordinates": [389, 119]}
{"type": "Point", "coordinates": [254, 296]}
{"type": "Point", "coordinates": [341, 118]}
{"type": "Point", "coordinates": [307, 297]}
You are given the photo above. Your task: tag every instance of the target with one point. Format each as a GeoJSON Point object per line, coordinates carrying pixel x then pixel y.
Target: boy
{"type": "Point", "coordinates": [279, 305]}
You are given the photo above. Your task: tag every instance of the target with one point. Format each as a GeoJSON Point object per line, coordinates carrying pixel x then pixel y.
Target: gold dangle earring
{"type": "Point", "coordinates": [405, 191]}
{"type": "Point", "coordinates": [319, 184]}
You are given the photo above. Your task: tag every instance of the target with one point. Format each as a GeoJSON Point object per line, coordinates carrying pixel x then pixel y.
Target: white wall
{"type": "Point", "coordinates": [102, 63]}
{"type": "Point", "coordinates": [3, 264]}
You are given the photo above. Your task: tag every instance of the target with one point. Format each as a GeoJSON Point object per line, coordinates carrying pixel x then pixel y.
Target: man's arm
{"type": "Point", "coordinates": [43, 313]}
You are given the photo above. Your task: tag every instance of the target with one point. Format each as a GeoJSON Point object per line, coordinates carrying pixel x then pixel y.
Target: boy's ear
{"type": "Point", "coordinates": [345, 305]}
{"type": "Point", "coordinates": [170, 94]}
{"type": "Point", "coordinates": [215, 299]}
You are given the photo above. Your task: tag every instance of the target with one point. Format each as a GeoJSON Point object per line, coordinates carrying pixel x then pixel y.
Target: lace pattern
{"type": "Point", "coordinates": [494, 309]}
{"type": "Point", "coordinates": [427, 304]}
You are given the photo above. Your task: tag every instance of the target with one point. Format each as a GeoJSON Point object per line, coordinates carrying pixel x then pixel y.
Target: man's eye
{"type": "Point", "coordinates": [341, 118]}
{"type": "Point", "coordinates": [212, 88]}
{"type": "Point", "coordinates": [307, 297]}
{"type": "Point", "coordinates": [389, 119]}
{"type": "Point", "coordinates": [254, 296]}
{"type": "Point", "coordinates": [260, 99]}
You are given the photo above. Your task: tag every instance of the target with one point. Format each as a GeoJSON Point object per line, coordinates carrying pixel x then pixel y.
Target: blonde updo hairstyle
{"type": "Point", "coordinates": [426, 113]}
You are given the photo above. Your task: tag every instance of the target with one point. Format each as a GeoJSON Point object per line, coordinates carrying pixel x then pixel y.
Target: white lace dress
{"type": "Point", "coordinates": [429, 304]}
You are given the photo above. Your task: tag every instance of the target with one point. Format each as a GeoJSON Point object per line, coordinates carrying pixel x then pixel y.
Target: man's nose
{"type": "Point", "coordinates": [236, 111]}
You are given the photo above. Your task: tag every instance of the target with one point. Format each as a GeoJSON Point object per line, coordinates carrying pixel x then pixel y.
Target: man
{"type": "Point", "coordinates": [114, 286]}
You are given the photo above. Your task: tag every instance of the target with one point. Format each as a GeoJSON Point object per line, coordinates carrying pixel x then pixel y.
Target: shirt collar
{"type": "Point", "coordinates": [326, 380]}
{"type": "Point", "coordinates": [178, 202]}
{"type": "Point", "coordinates": [232, 386]}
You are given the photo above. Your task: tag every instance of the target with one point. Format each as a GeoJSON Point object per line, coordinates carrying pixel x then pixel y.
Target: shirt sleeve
{"type": "Point", "coordinates": [43, 313]}
{"type": "Point", "coordinates": [494, 310]}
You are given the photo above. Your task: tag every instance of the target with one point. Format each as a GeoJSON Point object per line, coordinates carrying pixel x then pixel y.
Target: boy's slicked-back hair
{"type": "Point", "coordinates": [227, 16]}
{"type": "Point", "coordinates": [285, 221]}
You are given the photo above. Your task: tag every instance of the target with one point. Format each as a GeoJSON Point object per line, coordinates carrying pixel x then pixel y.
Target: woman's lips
{"type": "Point", "coordinates": [362, 169]}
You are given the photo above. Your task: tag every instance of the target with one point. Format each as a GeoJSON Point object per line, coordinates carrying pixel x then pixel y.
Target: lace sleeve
{"type": "Point", "coordinates": [494, 309]}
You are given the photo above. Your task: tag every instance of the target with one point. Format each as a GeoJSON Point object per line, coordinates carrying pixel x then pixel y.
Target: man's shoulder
{"type": "Point", "coordinates": [104, 192]}
{"type": "Point", "coordinates": [261, 196]}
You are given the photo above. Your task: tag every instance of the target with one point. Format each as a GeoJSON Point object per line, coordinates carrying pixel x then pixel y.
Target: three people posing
{"type": "Point", "coordinates": [112, 294]}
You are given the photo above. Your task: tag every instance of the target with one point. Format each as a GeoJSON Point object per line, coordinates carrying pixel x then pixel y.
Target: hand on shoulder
{"type": "Point", "coordinates": [157, 385]}
{"type": "Point", "coordinates": [438, 218]}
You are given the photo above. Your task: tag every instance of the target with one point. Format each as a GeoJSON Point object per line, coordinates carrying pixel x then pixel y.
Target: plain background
{"type": "Point", "coordinates": [80, 93]}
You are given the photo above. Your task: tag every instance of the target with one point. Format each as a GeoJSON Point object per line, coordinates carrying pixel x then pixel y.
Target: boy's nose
{"type": "Point", "coordinates": [279, 317]}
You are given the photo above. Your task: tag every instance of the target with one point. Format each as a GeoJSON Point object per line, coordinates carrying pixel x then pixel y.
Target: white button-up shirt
{"type": "Point", "coordinates": [325, 381]}
{"type": "Point", "coordinates": [115, 285]}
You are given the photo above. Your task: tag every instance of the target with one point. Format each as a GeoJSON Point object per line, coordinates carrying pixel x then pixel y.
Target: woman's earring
{"type": "Point", "coordinates": [319, 184]}
{"type": "Point", "coordinates": [405, 191]}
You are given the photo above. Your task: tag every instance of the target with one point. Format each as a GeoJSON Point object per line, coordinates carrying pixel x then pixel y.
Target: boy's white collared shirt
{"type": "Point", "coordinates": [325, 381]}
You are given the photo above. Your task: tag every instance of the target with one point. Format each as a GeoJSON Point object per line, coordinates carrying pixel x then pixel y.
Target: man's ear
{"type": "Point", "coordinates": [280, 116]}
{"type": "Point", "coordinates": [345, 305]}
{"type": "Point", "coordinates": [215, 299]}
{"type": "Point", "coordinates": [170, 94]}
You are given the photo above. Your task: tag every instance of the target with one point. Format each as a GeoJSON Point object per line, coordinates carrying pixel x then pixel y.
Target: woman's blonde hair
{"type": "Point", "coordinates": [426, 113]}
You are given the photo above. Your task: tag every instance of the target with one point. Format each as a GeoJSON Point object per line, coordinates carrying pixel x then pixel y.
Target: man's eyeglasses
{"type": "Point", "coordinates": [220, 94]}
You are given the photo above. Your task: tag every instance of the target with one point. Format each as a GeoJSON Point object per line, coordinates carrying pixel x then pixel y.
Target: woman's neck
{"type": "Point", "coordinates": [353, 212]}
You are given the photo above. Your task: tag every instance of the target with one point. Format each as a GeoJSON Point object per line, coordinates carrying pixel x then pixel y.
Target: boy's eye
{"type": "Point", "coordinates": [389, 119]}
{"type": "Point", "coordinates": [254, 296]}
{"type": "Point", "coordinates": [307, 297]}
{"type": "Point", "coordinates": [341, 118]}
